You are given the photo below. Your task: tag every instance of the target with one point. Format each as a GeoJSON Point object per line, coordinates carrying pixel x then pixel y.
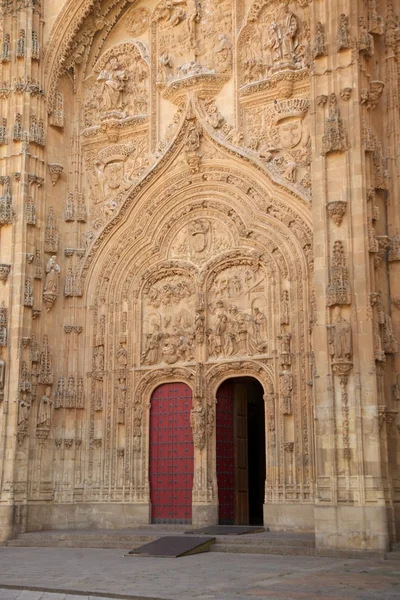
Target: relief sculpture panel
{"type": "Point", "coordinates": [168, 321]}
{"type": "Point", "coordinates": [237, 313]}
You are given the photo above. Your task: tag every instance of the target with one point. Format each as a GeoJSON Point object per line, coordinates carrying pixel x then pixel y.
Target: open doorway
{"type": "Point", "coordinates": [241, 463]}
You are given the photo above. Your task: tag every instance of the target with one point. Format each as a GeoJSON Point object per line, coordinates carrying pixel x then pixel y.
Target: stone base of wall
{"type": "Point", "coordinates": [289, 517]}
{"type": "Point", "coordinates": [6, 522]}
{"type": "Point", "coordinates": [204, 515]}
{"type": "Point", "coordinates": [87, 516]}
{"type": "Point", "coordinates": [351, 528]}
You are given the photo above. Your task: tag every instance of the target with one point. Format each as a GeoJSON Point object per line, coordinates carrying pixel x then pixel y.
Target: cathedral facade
{"type": "Point", "coordinates": [200, 266]}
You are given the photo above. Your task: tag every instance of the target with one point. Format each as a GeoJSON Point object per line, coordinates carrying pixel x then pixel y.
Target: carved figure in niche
{"type": "Point", "coordinates": [198, 424]}
{"type": "Point", "coordinates": [286, 388]}
{"type": "Point", "coordinates": [122, 357]}
{"type": "Point", "coordinates": [260, 326]}
{"type": "Point", "coordinates": [340, 338]}
{"type": "Point", "coordinates": [53, 271]}
{"type": "Point", "coordinates": [152, 354]}
{"type": "Point", "coordinates": [165, 66]}
{"type": "Point", "coordinates": [44, 412]}
{"type": "Point", "coordinates": [285, 339]}
{"type": "Point", "coordinates": [24, 407]}
{"type": "Point", "coordinates": [113, 82]}
{"type": "Point", "coordinates": [285, 308]}
{"type": "Point", "coordinates": [121, 400]}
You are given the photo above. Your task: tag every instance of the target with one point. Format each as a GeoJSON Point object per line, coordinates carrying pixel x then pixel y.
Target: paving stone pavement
{"type": "Point", "coordinates": [82, 574]}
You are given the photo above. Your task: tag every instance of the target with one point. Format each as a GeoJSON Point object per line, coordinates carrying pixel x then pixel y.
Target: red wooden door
{"type": "Point", "coordinates": [226, 452]}
{"type": "Point", "coordinates": [171, 454]}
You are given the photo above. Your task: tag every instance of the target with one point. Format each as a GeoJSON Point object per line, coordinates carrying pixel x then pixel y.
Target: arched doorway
{"type": "Point", "coordinates": [171, 454]}
{"type": "Point", "coordinates": [241, 463]}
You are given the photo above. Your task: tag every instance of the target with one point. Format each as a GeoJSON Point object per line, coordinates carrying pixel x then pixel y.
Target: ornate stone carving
{"type": "Point", "coordinates": [4, 272]}
{"type": "Point", "coordinates": [28, 292]}
{"type": "Point", "coordinates": [286, 389]}
{"type": "Point", "coordinates": [343, 37]}
{"type": "Point", "coordinates": [198, 423]}
{"type": "Point", "coordinates": [319, 46]}
{"type": "Point", "coordinates": [45, 410]}
{"type": "Point", "coordinates": [51, 236]}
{"type": "Point", "coordinates": [390, 345]}
{"type": "Point", "coordinates": [3, 325]}
{"type": "Point", "coordinates": [394, 251]}
{"type": "Point", "coordinates": [50, 292]}
{"type": "Point", "coordinates": [337, 210]}
{"type": "Point", "coordinates": [46, 363]}
{"type": "Point", "coordinates": [6, 212]}
{"type": "Point", "coordinates": [340, 341]}
{"type": "Point", "coordinates": [55, 170]}
{"type": "Point", "coordinates": [335, 136]}
{"type": "Point", "coordinates": [339, 291]}
{"type": "Point", "coordinates": [370, 97]}
{"type": "Point", "coordinates": [138, 21]}
{"type": "Point", "coordinates": [119, 86]}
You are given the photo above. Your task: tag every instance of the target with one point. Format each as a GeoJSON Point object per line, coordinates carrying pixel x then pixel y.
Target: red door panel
{"type": "Point", "coordinates": [225, 453]}
{"type": "Point", "coordinates": [171, 454]}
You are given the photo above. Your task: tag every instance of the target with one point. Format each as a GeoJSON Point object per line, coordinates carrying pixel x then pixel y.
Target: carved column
{"type": "Point", "coordinates": [21, 27]}
{"type": "Point", "coordinates": [348, 484]}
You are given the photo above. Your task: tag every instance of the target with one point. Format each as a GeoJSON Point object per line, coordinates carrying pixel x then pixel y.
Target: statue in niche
{"type": "Point", "coordinates": [198, 424]}
{"type": "Point", "coordinates": [121, 400]}
{"type": "Point", "coordinates": [286, 388]}
{"type": "Point", "coordinates": [23, 411]}
{"type": "Point", "coordinates": [152, 353]}
{"type": "Point", "coordinates": [44, 412]}
{"type": "Point", "coordinates": [340, 338]}
{"type": "Point", "coordinates": [260, 325]}
{"type": "Point", "coordinates": [53, 271]}
{"type": "Point", "coordinates": [122, 357]}
{"type": "Point", "coordinates": [113, 82]}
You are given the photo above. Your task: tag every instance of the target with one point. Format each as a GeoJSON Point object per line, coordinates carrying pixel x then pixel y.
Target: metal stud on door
{"type": "Point", "coordinates": [171, 454]}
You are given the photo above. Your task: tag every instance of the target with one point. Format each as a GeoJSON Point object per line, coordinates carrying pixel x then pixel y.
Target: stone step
{"type": "Point", "coordinates": [259, 549]}
{"type": "Point", "coordinates": [115, 539]}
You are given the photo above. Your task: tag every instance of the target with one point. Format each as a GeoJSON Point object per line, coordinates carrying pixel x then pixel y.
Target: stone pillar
{"type": "Point", "coordinates": [350, 509]}
{"type": "Point", "coordinates": [22, 172]}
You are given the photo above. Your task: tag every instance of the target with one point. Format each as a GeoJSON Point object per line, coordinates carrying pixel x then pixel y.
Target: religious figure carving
{"type": "Point", "coordinates": [113, 82]}
{"type": "Point", "coordinates": [198, 424]}
{"type": "Point", "coordinates": [340, 338]}
{"type": "Point", "coordinates": [50, 292]}
{"type": "Point", "coordinates": [286, 388]}
{"type": "Point", "coordinates": [44, 411]}
{"type": "Point", "coordinates": [152, 353]}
